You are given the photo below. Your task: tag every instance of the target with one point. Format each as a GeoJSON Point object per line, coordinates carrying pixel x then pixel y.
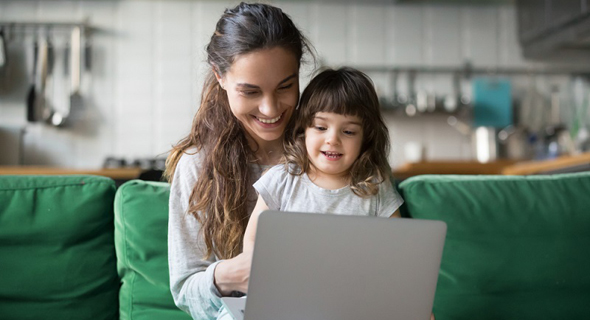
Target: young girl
{"type": "Point", "coordinates": [336, 147]}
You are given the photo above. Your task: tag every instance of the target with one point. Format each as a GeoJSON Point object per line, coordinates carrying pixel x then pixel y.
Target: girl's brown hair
{"type": "Point", "coordinates": [219, 198]}
{"type": "Point", "coordinates": [345, 91]}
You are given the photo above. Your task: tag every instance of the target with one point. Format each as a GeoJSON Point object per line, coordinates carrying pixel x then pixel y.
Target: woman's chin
{"type": "Point", "coordinates": [270, 137]}
{"type": "Point", "coordinates": [267, 133]}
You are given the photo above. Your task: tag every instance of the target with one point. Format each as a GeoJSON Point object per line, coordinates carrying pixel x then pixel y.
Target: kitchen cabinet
{"type": "Point", "coordinates": [553, 26]}
{"type": "Point", "coordinates": [532, 19]}
{"type": "Point", "coordinates": [563, 12]}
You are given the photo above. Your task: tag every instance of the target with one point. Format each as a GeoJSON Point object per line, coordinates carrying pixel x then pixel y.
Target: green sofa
{"type": "Point", "coordinates": [75, 247]}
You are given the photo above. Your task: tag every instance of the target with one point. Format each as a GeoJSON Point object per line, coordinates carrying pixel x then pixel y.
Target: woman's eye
{"type": "Point", "coordinates": [286, 86]}
{"type": "Point", "coordinates": [320, 128]}
{"type": "Point", "coordinates": [248, 93]}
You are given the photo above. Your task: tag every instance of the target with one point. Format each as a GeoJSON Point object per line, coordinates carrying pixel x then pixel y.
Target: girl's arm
{"type": "Point", "coordinates": [250, 234]}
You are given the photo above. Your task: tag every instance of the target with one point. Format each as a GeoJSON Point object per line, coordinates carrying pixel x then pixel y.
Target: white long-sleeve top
{"type": "Point", "coordinates": [192, 277]}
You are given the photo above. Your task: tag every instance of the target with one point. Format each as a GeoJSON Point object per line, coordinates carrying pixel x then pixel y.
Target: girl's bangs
{"type": "Point", "coordinates": [334, 98]}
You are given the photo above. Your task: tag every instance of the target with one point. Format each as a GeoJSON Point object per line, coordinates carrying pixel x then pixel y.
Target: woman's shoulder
{"type": "Point", "coordinates": [190, 159]}
{"type": "Point", "coordinates": [188, 166]}
{"type": "Point", "coordinates": [192, 155]}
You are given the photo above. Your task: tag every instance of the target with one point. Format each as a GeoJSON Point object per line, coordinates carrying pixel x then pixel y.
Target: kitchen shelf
{"type": "Point", "coordinates": [468, 71]}
{"type": "Point", "coordinates": [22, 27]}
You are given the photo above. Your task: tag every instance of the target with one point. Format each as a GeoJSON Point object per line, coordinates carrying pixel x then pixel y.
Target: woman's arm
{"type": "Point", "coordinates": [191, 276]}
{"type": "Point", "coordinates": [197, 284]}
{"type": "Point", "coordinates": [396, 214]}
{"type": "Point", "coordinates": [250, 234]}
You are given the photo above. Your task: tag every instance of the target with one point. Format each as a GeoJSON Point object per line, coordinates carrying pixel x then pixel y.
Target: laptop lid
{"type": "Point", "coordinates": [332, 267]}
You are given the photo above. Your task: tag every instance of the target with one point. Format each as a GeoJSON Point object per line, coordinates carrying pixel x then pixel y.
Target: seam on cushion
{"type": "Point", "coordinates": [128, 265]}
{"type": "Point", "coordinates": [131, 314]}
{"type": "Point", "coordinates": [57, 186]}
{"type": "Point", "coordinates": [498, 178]}
{"type": "Point", "coordinates": [123, 232]}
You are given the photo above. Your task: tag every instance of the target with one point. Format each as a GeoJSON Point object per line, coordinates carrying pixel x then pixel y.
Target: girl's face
{"type": "Point", "coordinates": [263, 90]}
{"type": "Point", "coordinates": [333, 144]}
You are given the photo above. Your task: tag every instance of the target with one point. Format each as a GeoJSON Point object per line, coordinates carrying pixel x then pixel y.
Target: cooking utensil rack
{"type": "Point", "coordinates": [467, 70]}
{"type": "Point", "coordinates": [12, 28]}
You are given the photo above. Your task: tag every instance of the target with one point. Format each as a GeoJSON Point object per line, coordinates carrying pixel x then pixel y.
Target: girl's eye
{"type": "Point", "coordinates": [320, 128]}
{"type": "Point", "coordinates": [286, 86]}
{"type": "Point", "coordinates": [350, 133]}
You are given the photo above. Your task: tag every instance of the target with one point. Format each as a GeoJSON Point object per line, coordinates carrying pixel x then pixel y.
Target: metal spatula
{"type": "Point", "coordinates": [75, 101]}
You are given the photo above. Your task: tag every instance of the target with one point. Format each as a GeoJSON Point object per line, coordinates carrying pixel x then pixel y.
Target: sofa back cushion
{"type": "Point", "coordinates": [516, 247]}
{"type": "Point", "coordinates": [141, 237]}
{"type": "Point", "coordinates": [57, 254]}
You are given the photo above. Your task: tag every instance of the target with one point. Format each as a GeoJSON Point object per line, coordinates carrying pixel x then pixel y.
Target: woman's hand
{"type": "Point", "coordinates": [233, 274]}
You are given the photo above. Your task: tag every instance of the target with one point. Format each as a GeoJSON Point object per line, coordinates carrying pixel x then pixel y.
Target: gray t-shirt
{"type": "Point", "coordinates": [191, 277]}
{"type": "Point", "coordinates": [286, 192]}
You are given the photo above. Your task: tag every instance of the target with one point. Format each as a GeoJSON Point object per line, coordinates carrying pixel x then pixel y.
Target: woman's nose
{"type": "Point", "coordinates": [269, 106]}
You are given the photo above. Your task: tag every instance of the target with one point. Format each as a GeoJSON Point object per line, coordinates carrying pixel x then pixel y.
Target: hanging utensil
{"type": "Point", "coordinates": [48, 110]}
{"type": "Point", "coordinates": [3, 51]}
{"type": "Point", "coordinates": [31, 93]}
{"type": "Point", "coordinates": [87, 55]}
{"type": "Point", "coordinates": [75, 99]}
{"type": "Point", "coordinates": [411, 105]}
{"type": "Point", "coordinates": [40, 81]}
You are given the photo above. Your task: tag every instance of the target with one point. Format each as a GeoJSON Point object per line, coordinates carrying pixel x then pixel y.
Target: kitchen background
{"type": "Point", "coordinates": [144, 67]}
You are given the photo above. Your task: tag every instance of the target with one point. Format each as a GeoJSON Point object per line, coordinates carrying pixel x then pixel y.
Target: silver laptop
{"type": "Point", "coordinates": [332, 267]}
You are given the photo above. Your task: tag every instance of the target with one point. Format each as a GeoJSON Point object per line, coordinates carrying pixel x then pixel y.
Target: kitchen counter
{"type": "Point", "coordinates": [563, 164]}
{"type": "Point", "coordinates": [451, 167]}
{"type": "Point", "coordinates": [579, 162]}
{"type": "Point", "coordinates": [115, 174]}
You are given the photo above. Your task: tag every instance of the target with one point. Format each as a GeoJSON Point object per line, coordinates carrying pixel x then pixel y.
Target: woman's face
{"type": "Point", "coordinates": [263, 90]}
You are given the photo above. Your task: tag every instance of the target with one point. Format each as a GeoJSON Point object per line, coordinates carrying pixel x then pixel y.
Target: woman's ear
{"type": "Point", "coordinates": [220, 80]}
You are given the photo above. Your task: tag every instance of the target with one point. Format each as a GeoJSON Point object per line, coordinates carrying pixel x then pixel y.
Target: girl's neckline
{"type": "Point", "coordinates": [307, 180]}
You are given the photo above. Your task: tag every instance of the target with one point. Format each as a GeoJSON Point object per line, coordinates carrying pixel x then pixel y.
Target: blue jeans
{"type": "Point", "coordinates": [224, 314]}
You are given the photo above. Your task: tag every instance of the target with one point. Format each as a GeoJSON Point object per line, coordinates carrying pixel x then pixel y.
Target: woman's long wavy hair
{"type": "Point", "coordinates": [219, 198]}
{"type": "Point", "coordinates": [350, 92]}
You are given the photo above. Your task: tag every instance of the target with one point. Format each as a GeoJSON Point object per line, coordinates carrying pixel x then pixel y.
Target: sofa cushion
{"type": "Point", "coordinates": [516, 247]}
{"type": "Point", "coordinates": [141, 229]}
{"type": "Point", "coordinates": [57, 254]}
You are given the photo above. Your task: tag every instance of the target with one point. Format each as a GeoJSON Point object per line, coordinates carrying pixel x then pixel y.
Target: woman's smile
{"type": "Point", "coordinates": [269, 123]}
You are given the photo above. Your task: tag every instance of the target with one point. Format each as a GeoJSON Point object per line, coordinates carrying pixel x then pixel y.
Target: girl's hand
{"type": "Point", "coordinates": [233, 274]}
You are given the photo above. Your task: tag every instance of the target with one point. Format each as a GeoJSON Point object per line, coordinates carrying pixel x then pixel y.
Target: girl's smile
{"type": "Point", "coordinates": [332, 156]}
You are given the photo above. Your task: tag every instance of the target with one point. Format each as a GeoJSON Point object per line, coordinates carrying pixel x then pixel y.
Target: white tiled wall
{"type": "Point", "coordinates": [148, 67]}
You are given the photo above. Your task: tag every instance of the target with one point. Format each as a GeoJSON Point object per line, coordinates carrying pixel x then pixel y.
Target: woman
{"type": "Point", "coordinates": [247, 100]}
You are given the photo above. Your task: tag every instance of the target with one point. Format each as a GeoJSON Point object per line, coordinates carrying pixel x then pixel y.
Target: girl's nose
{"type": "Point", "coordinates": [333, 139]}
